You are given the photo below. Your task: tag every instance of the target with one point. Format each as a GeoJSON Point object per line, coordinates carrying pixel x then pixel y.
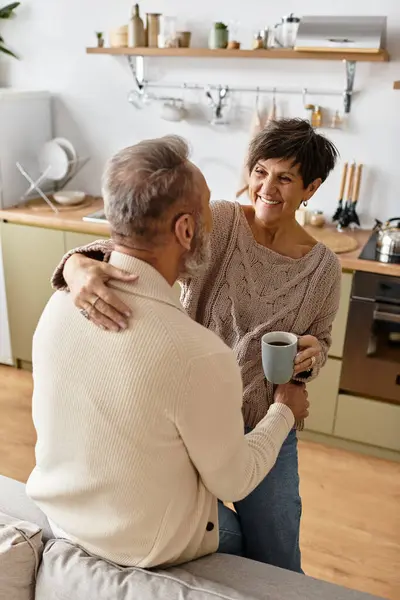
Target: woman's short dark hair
{"type": "Point", "coordinates": [294, 139]}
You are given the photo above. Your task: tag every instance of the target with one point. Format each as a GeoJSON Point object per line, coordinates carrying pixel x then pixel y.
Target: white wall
{"type": "Point", "coordinates": [92, 110]}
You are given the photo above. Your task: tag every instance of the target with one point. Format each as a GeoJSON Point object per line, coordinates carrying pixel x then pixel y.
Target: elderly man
{"type": "Point", "coordinates": [139, 433]}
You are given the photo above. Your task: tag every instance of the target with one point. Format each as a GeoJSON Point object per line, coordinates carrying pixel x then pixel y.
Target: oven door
{"type": "Point", "coordinates": [371, 357]}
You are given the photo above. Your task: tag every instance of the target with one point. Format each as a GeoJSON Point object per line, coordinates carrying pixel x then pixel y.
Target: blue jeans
{"type": "Point", "coordinates": [269, 517]}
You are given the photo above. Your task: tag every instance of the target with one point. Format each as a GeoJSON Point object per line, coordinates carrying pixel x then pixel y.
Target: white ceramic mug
{"type": "Point", "coordinates": [279, 350]}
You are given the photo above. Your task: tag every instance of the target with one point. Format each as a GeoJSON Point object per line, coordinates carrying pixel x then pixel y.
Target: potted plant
{"type": "Point", "coordinates": [100, 39]}
{"type": "Point", "coordinates": [219, 36]}
{"type": "Point", "coordinates": [7, 12]}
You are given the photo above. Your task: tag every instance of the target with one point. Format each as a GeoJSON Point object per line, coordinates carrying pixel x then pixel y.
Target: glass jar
{"type": "Point", "coordinates": [167, 38]}
{"type": "Point", "coordinates": [317, 218]}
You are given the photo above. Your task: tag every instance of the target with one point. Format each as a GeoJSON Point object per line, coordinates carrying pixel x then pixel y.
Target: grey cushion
{"type": "Point", "coordinates": [20, 552]}
{"type": "Point", "coordinates": [15, 502]}
{"type": "Point", "coordinates": [69, 573]}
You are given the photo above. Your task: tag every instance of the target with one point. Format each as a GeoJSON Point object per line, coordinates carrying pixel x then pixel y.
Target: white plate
{"type": "Point", "coordinates": [54, 155]}
{"type": "Point", "coordinates": [70, 150]}
{"type": "Point", "coordinates": [67, 146]}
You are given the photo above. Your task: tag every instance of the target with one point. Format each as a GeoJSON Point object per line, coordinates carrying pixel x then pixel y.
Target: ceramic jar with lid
{"type": "Point", "coordinates": [317, 218]}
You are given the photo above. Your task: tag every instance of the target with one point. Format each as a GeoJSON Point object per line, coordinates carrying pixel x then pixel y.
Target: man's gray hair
{"type": "Point", "coordinates": [143, 181]}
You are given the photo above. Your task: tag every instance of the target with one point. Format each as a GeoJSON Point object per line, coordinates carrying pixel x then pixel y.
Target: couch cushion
{"type": "Point", "coordinates": [20, 553]}
{"type": "Point", "coordinates": [68, 572]}
{"type": "Point", "coordinates": [15, 502]}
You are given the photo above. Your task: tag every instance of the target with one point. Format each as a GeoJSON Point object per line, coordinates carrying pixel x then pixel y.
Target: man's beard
{"type": "Point", "coordinates": [198, 259]}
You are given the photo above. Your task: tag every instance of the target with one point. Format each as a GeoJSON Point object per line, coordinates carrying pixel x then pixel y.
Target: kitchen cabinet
{"type": "Point", "coordinates": [368, 421]}
{"type": "Point", "coordinates": [323, 395]}
{"type": "Point", "coordinates": [30, 255]}
{"type": "Point", "coordinates": [74, 240]}
{"type": "Point", "coordinates": [340, 322]}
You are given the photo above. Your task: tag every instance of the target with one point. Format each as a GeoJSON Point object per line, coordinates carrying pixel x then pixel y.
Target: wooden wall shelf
{"type": "Point", "coordinates": [380, 56]}
{"type": "Point", "coordinates": [396, 85]}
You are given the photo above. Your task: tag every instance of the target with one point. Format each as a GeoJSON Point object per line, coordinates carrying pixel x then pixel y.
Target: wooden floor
{"type": "Point", "coordinates": [351, 503]}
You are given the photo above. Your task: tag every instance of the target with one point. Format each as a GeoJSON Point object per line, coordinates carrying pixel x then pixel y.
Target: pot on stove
{"type": "Point", "coordinates": [388, 237]}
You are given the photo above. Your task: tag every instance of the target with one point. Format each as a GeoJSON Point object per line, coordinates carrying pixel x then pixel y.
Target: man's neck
{"type": "Point", "coordinates": [158, 259]}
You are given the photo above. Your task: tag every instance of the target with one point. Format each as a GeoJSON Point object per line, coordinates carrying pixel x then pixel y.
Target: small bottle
{"type": "Point", "coordinates": [316, 116]}
{"type": "Point", "coordinates": [258, 42]}
{"type": "Point", "coordinates": [336, 120]}
{"type": "Point", "coordinates": [135, 29]}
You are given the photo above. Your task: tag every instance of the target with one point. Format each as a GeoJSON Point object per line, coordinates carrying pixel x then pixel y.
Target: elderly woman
{"type": "Point", "coordinates": [266, 274]}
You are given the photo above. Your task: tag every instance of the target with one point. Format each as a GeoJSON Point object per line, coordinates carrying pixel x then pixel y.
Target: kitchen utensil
{"type": "Point", "coordinates": [388, 242]}
{"type": "Point", "coordinates": [54, 155]}
{"type": "Point", "coordinates": [339, 209]}
{"type": "Point", "coordinates": [69, 197]}
{"type": "Point", "coordinates": [278, 350]}
{"type": "Point", "coordinates": [353, 216]}
{"type": "Point", "coordinates": [344, 217]}
{"type": "Point", "coordinates": [272, 112]}
{"type": "Point", "coordinates": [173, 110]}
{"type": "Point", "coordinates": [285, 32]}
{"type": "Point", "coordinates": [218, 105]}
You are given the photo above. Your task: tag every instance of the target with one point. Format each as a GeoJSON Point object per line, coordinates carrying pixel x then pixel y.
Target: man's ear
{"type": "Point", "coordinates": [184, 231]}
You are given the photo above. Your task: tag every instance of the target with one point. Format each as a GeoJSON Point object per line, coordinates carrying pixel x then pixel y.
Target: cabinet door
{"type": "Point", "coordinates": [30, 255]}
{"type": "Point", "coordinates": [322, 394]}
{"type": "Point", "coordinates": [368, 421]}
{"type": "Point", "coordinates": [74, 240]}
{"type": "Point", "coordinates": [340, 322]}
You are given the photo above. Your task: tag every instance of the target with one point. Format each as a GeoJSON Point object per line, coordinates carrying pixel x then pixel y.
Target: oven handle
{"type": "Point", "coordinates": [386, 316]}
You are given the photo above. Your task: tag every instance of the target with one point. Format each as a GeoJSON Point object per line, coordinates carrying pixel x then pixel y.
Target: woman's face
{"type": "Point", "coordinates": [276, 190]}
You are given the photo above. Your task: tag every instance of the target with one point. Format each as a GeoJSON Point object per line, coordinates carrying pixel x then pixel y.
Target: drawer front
{"type": "Point", "coordinates": [340, 322]}
{"type": "Point", "coordinates": [368, 421]}
{"type": "Point", "coordinates": [323, 394]}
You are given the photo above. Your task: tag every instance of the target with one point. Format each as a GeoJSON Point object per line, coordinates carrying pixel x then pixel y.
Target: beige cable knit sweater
{"type": "Point", "coordinates": [249, 290]}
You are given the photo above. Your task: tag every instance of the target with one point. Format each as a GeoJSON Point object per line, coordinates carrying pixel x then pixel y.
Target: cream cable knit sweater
{"type": "Point", "coordinates": [249, 290]}
{"type": "Point", "coordinates": [139, 432]}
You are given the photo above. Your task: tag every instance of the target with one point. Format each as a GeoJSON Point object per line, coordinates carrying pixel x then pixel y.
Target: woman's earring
{"type": "Point", "coordinates": [305, 202]}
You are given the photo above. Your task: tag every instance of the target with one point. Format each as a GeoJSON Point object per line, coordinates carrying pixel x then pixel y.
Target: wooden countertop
{"type": "Point", "coordinates": [40, 215]}
{"type": "Point", "coordinates": [37, 213]}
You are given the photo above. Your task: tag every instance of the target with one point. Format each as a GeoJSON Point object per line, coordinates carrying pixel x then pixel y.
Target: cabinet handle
{"type": "Point", "coordinates": [385, 316]}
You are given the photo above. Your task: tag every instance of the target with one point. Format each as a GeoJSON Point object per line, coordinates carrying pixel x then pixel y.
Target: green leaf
{"type": "Point", "coordinates": [7, 51]}
{"type": "Point", "coordinates": [7, 11]}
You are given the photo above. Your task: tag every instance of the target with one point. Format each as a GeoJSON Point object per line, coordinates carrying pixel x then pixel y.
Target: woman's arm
{"type": "Point", "coordinates": [99, 250]}
{"type": "Point", "coordinates": [84, 272]}
{"type": "Point", "coordinates": [318, 339]}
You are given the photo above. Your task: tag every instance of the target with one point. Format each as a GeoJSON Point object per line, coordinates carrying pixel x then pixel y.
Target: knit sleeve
{"type": "Point", "coordinates": [98, 250]}
{"type": "Point", "coordinates": [196, 291]}
{"type": "Point", "coordinates": [321, 327]}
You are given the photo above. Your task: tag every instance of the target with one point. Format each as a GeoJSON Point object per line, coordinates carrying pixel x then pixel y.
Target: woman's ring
{"type": "Point", "coordinates": [85, 313]}
{"type": "Point", "coordinates": [313, 361]}
{"type": "Point", "coordinates": [94, 303]}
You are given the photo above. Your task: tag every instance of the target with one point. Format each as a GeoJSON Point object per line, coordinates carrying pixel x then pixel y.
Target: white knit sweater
{"type": "Point", "coordinates": [139, 432]}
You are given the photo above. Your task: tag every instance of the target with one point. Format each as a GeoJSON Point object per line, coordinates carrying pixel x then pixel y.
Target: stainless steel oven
{"type": "Point", "coordinates": [371, 357]}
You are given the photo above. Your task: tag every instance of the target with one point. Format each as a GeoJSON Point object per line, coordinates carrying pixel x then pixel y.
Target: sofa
{"type": "Point", "coordinates": [33, 565]}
